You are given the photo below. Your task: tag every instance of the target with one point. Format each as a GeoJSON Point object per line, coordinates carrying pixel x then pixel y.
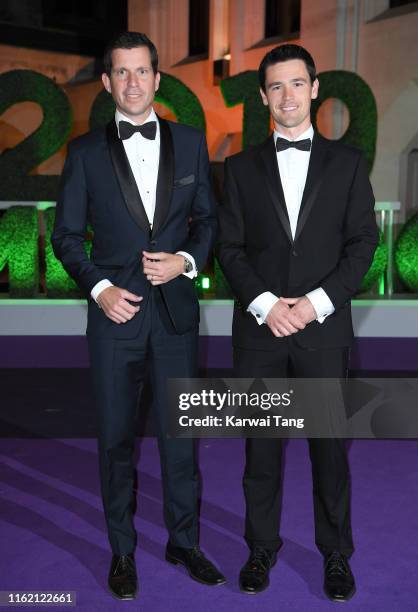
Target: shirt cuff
{"type": "Point", "coordinates": [261, 306]}
{"type": "Point", "coordinates": [193, 273]}
{"type": "Point", "coordinates": [321, 303]}
{"type": "Point", "coordinates": [99, 287]}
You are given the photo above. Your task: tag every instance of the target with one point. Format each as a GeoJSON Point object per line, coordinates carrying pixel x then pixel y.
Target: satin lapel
{"type": "Point", "coordinates": [270, 170]}
{"type": "Point", "coordinates": [126, 178]}
{"type": "Point", "coordinates": [165, 176]}
{"type": "Point", "coordinates": [316, 171]}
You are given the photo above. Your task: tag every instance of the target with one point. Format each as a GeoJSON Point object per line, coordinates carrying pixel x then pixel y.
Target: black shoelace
{"type": "Point", "coordinates": [197, 555]}
{"type": "Point", "coordinates": [260, 560]}
{"type": "Point", "coordinates": [336, 565]}
{"type": "Point", "coordinates": [126, 564]}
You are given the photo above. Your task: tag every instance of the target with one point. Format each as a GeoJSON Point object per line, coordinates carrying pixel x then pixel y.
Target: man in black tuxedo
{"type": "Point", "coordinates": [297, 234]}
{"type": "Point", "coordinates": [143, 185]}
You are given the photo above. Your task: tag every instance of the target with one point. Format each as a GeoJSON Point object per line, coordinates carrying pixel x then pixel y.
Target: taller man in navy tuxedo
{"type": "Point", "coordinates": [143, 185]}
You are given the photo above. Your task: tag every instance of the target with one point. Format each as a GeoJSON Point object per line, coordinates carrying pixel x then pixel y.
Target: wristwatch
{"type": "Point", "coordinates": [188, 266]}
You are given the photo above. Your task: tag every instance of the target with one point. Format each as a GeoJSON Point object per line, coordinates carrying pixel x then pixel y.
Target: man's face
{"type": "Point", "coordinates": [132, 82]}
{"type": "Point", "coordinates": [289, 93]}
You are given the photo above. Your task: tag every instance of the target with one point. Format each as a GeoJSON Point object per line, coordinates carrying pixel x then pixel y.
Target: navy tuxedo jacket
{"type": "Point", "coordinates": [336, 237]}
{"type": "Point", "coordinates": [98, 189]}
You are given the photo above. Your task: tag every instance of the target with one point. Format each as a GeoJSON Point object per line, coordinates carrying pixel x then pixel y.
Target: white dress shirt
{"type": "Point", "coordinates": [143, 155]}
{"type": "Point", "coordinates": [293, 167]}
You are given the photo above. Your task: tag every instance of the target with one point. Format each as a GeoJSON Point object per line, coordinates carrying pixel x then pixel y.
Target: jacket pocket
{"type": "Point", "coordinates": [108, 266]}
{"type": "Point", "coordinates": [186, 180]}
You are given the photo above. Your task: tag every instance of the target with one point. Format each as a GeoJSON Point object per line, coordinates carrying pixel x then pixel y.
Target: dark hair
{"type": "Point", "coordinates": [129, 40]}
{"type": "Point", "coordinates": [284, 53]}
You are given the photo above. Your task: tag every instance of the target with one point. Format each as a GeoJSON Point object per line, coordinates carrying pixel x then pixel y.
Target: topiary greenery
{"type": "Point", "coordinates": [58, 283]}
{"type": "Point", "coordinates": [406, 254]}
{"type": "Point", "coordinates": [243, 88]}
{"type": "Point", "coordinates": [174, 94]}
{"type": "Point", "coordinates": [15, 164]}
{"type": "Point", "coordinates": [378, 266]}
{"type": "Point", "coordinates": [19, 250]}
{"type": "Point", "coordinates": [181, 100]}
{"type": "Point", "coordinates": [102, 110]}
{"type": "Point", "coordinates": [361, 104]}
{"type": "Point", "coordinates": [26, 85]}
{"type": "Point", "coordinates": [222, 287]}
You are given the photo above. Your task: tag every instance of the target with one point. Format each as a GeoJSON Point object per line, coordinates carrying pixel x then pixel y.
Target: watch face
{"type": "Point", "coordinates": [188, 266]}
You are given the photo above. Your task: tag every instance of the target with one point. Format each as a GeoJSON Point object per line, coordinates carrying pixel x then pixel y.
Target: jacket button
{"type": "Point", "coordinates": [153, 242]}
{"type": "Point", "coordinates": [294, 253]}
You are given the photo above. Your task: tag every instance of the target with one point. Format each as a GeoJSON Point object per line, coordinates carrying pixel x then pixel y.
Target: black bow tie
{"type": "Point", "coordinates": [303, 145]}
{"type": "Point", "coordinates": [148, 130]}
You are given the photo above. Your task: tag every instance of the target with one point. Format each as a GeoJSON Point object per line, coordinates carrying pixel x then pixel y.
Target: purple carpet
{"type": "Point", "coordinates": [215, 352]}
{"type": "Point", "coordinates": [52, 530]}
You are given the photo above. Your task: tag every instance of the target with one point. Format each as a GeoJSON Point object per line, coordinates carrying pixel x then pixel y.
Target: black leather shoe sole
{"type": "Point", "coordinates": [255, 591]}
{"type": "Point", "coordinates": [121, 598]}
{"type": "Point", "coordinates": [262, 588]}
{"type": "Point", "coordinates": [341, 599]}
{"type": "Point", "coordinates": [176, 561]}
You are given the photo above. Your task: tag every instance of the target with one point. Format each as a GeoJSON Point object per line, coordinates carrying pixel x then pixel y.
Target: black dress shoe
{"type": "Point", "coordinates": [123, 582]}
{"type": "Point", "coordinates": [339, 582]}
{"type": "Point", "coordinates": [254, 576]}
{"type": "Point", "coordinates": [198, 567]}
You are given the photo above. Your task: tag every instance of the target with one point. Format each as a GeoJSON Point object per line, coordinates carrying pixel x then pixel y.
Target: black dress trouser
{"type": "Point", "coordinates": [118, 368]}
{"type": "Point", "coordinates": [263, 468]}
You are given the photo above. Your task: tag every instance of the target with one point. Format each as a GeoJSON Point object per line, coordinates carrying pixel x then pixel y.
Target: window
{"type": "Point", "coordinates": [199, 27]}
{"type": "Point", "coordinates": [282, 18]}
{"type": "Point", "coordinates": [396, 3]}
{"type": "Point", "coordinates": [386, 9]}
{"type": "Point", "coordinates": [75, 26]}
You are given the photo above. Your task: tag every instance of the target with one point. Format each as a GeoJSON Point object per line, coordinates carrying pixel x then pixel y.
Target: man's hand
{"type": "Point", "coordinates": [302, 308]}
{"type": "Point", "coordinates": [113, 301]}
{"type": "Point", "coordinates": [160, 268]}
{"type": "Point", "coordinates": [282, 320]}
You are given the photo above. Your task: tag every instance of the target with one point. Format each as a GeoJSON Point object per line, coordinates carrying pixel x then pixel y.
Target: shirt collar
{"type": "Point", "coordinates": [121, 117]}
{"type": "Point", "coordinates": [306, 134]}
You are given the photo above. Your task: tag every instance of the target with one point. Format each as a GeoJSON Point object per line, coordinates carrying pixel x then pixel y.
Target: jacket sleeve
{"type": "Point", "coordinates": [70, 226]}
{"type": "Point", "coordinates": [360, 240]}
{"type": "Point", "coordinates": [203, 224]}
{"type": "Point", "coordinates": [231, 246]}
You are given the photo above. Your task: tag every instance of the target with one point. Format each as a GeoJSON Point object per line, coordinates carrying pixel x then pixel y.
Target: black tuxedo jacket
{"type": "Point", "coordinates": [98, 188]}
{"type": "Point", "coordinates": [335, 239]}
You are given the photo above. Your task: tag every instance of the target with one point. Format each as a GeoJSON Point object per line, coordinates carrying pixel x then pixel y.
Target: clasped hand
{"type": "Point", "coordinates": [161, 267]}
{"type": "Point", "coordinates": [289, 315]}
{"type": "Point", "coordinates": [114, 303]}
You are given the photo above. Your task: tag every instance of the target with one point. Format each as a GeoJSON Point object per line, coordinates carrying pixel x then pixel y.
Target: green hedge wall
{"type": "Point", "coordinates": [16, 164]}
{"type": "Point", "coordinates": [19, 250]}
{"type": "Point", "coordinates": [406, 254]}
